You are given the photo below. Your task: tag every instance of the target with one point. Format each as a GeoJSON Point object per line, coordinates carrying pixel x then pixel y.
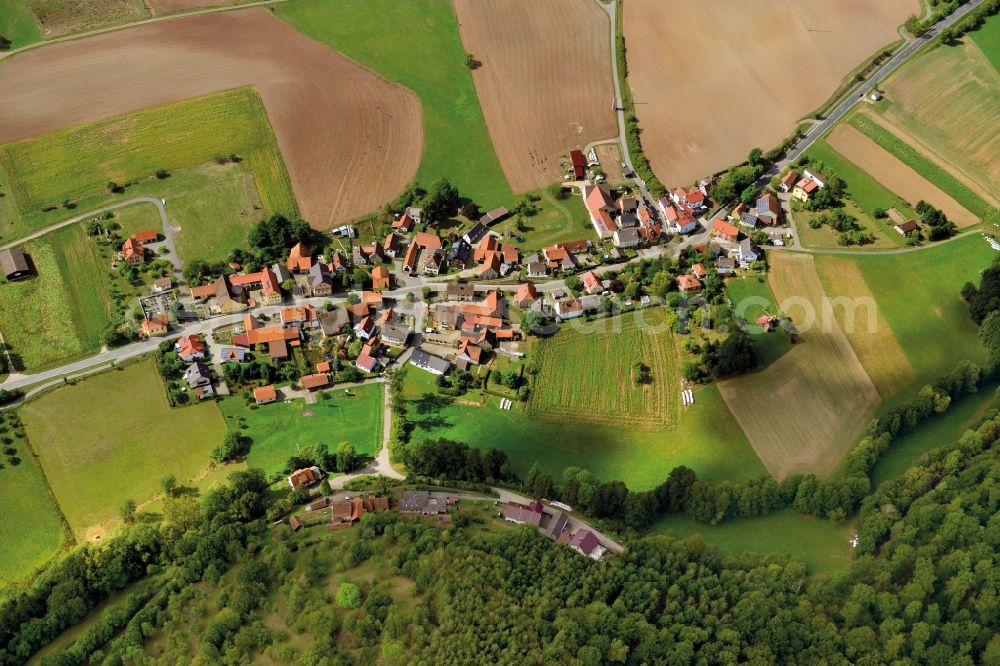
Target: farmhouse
{"type": "Point", "coordinates": [154, 327]}
{"type": "Point", "coordinates": [725, 231]}
{"type": "Point", "coordinates": [475, 233]}
{"type": "Point", "coordinates": [769, 209]}
{"type": "Point", "coordinates": [433, 262]}
{"type": "Point", "coordinates": [228, 297]}
{"type": "Point", "coordinates": [788, 181]}
{"type": "Point", "coordinates": [688, 283]}
{"type": "Point", "coordinates": [319, 280]}
{"type": "Point", "coordinates": [586, 543]}
{"type": "Point", "coordinates": [537, 269]}
{"type": "Point", "coordinates": [191, 348]}
{"type": "Point", "coordinates": [461, 291]}
{"type": "Point", "coordinates": [133, 252]}
{"type": "Point", "coordinates": [198, 378]}
{"type": "Point", "coordinates": [304, 477]}
{"type": "Point", "coordinates": [395, 334]}
{"type": "Point", "coordinates": [627, 237]}
{"type": "Point", "coordinates": [303, 316]}
{"type": "Point", "coordinates": [592, 283]}
{"type": "Point", "coordinates": [366, 361]}
{"type": "Point", "coordinates": [422, 502]}
{"type": "Point", "coordinates": [601, 207]}
{"type": "Point", "coordinates": [458, 254]}
{"type": "Point", "coordinates": [315, 381]}
{"type": "Point", "coordinates": [806, 186]}
{"type": "Point", "coordinates": [404, 223]}
{"type": "Point", "coordinates": [14, 264]}
{"type": "Point", "coordinates": [526, 295]}
{"type": "Point", "coordinates": [679, 221]}
{"type": "Point", "coordinates": [725, 266]}
{"type": "Point", "coordinates": [410, 259]}
{"type": "Point", "coordinates": [698, 270]}
{"type": "Point", "coordinates": [747, 252]}
{"type": "Point", "coordinates": [903, 228]}
{"type": "Point", "coordinates": [550, 522]}
{"type": "Point", "coordinates": [433, 364]}
{"type": "Point", "coordinates": [569, 309]}
{"type": "Point", "coordinates": [265, 394]}
{"type": "Point", "coordinates": [576, 157]}
{"type": "Point", "coordinates": [380, 278]}
{"type": "Point", "coordinates": [299, 259]}
{"type": "Point", "coordinates": [390, 245]}
{"type": "Point", "coordinates": [494, 216]}
{"type": "Point", "coordinates": [427, 241]}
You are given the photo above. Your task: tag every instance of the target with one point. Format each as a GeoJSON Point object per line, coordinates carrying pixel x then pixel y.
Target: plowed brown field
{"type": "Point", "coordinates": [889, 170]}
{"type": "Point", "coordinates": [350, 139]}
{"type": "Point", "coordinates": [807, 409]}
{"type": "Point", "coordinates": [714, 79]}
{"type": "Point", "coordinates": [545, 81]}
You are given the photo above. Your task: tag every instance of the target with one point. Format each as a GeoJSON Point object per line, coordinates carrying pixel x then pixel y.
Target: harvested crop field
{"type": "Point", "coordinates": [545, 81]}
{"type": "Point", "coordinates": [713, 80]}
{"type": "Point", "coordinates": [64, 17]}
{"type": "Point", "coordinates": [866, 327]}
{"type": "Point", "coordinates": [889, 170]}
{"type": "Point", "coordinates": [350, 139]}
{"type": "Point", "coordinates": [805, 411]}
{"type": "Point", "coordinates": [944, 104]}
{"type": "Point", "coordinates": [586, 373]}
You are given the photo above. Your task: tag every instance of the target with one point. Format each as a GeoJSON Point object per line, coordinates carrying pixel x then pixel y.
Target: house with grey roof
{"type": "Point", "coordinates": [14, 264]}
{"type": "Point", "coordinates": [429, 362]}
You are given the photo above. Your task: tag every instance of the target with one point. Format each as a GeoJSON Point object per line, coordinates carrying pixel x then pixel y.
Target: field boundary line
{"type": "Point", "coordinates": [125, 26]}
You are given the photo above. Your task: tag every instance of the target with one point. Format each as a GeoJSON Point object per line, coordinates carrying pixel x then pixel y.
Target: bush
{"type": "Point", "coordinates": [348, 595]}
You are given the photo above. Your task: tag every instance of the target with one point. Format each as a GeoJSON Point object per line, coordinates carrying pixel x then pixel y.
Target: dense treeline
{"type": "Point", "coordinates": [197, 540]}
{"type": "Point", "coordinates": [926, 594]}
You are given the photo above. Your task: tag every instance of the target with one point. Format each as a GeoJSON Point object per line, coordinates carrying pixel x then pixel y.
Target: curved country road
{"type": "Point", "coordinates": [94, 213]}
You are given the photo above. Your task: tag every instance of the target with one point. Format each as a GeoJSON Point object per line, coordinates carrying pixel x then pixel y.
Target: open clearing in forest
{"type": "Point", "coordinates": [805, 411]}
{"type": "Point", "coordinates": [894, 174]}
{"type": "Point", "coordinates": [713, 80]}
{"type": "Point", "coordinates": [944, 104]}
{"type": "Point", "coordinates": [586, 373]}
{"type": "Point", "coordinates": [350, 139]}
{"type": "Point", "coordinates": [545, 81]}
{"type": "Point", "coordinates": [113, 437]}
{"type": "Point", "coordinates": [866, 327]}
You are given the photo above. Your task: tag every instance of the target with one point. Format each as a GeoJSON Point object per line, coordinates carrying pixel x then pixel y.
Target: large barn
{"type": "Point", "coordinates": [14, 264]}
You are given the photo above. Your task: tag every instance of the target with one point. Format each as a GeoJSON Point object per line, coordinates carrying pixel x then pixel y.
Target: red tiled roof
{"type": "Point", "coordinates": [147, 236]}
{"type": "Point", "coordinates": [265, 393]}
{"type": "Point", "coordinates": [315, 381]}
{"type": "Point", "coordinates": [427, 241]}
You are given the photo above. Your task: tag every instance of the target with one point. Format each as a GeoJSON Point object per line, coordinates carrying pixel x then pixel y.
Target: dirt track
{"type": "Point", "coordinates": [350, 139]}
{"type": "Point", "coordinates": [887, 169]}
{"type": "Point", "coordinates": [161, 7]}
{"type": "Point", "coordinates": [545, 82]}
{"type": "Point", "coordinates": [714, 79]}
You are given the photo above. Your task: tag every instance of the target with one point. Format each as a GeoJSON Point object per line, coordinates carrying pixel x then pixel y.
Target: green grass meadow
{"type": "Point", "coordinates": [707, 438]}
{"type": "Point", "coordinates": [17, 24]}
{"type": "Point", "coordinates": [987, 38]}
{"type": "Point", "coordinates": [823, 546]}
{"type": "Point", "coordinates": [416, 44]}
{"type": "Point", "coordinates": [32, 530]}
{"type": "Point", "coordinates": [113, 437]}
{"type": "Point", "coordinates": [280, 428]}
{"type": "Point", "coordinates": [752, 298]}
{"type": "Point", "coordinates": [77, 163]}
{"type": "Point", "coordinates": [921, 164]}
{"type": "Point", "coordinates": [867, 192]}
{"type": "Point", "coordinates": [918, 294]}
{"type": "Point", "coordinates": [905, 451]}
{"type": "Point", "coordinates": [61, 312]}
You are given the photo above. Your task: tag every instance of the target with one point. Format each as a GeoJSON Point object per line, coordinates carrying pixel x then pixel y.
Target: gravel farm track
{"type": "Point", "coordinates": [713, 80]}
{"type": "Point", "coordinates": [545, 81]}
{"type": "Point", "coordinates": [350, 139]}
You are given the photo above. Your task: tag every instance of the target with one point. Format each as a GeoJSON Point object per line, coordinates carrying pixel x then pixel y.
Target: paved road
{"type": "Point", "coordinates": [865, 87]}
{"type": "Point", "coordinates": [96, 213]}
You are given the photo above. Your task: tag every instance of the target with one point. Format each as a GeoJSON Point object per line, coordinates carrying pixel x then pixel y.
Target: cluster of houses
{"type": "Point", "coordinates": [682, 208]}
{"type": "Point", "coordinates": [134, 248]}
{"type": "Point", "coordinates": [802, 186]}
{"type": "Point", "coordinates": [481, 324]}
{"type": "Point", "coordinates": [427, 253]}
{"type": "Point", "coordinates": [564, 256]}
{"type": "Point", "coordinates": [627, 221]}
{"type": "Point", "coordinates": [555, 525]}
